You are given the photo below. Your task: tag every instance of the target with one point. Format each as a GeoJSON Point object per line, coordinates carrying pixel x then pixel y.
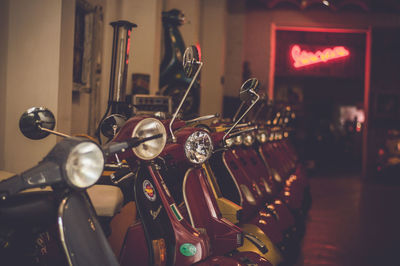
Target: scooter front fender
{"type": "Point", "coordinates": [82, 237]}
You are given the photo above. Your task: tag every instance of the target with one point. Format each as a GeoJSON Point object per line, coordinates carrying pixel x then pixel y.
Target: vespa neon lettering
{"type": "Point", "coordinates": [304, 58]}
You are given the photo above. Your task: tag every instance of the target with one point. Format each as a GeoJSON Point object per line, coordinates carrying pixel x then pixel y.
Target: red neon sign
{"type": "Point", "coordinates": [305, 58]}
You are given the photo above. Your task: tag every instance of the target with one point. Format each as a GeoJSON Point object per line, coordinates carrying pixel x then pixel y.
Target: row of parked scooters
{"type": "Point", "coordinates": [207, 191]}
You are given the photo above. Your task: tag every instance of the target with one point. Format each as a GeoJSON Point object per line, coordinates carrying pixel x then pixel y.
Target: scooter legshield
{"type": "Point", "coordinates": [81, 234]}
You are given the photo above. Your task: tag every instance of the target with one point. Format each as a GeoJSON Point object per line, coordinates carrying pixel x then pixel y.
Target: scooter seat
{"type": "Point", "coordinates": [107, 200]}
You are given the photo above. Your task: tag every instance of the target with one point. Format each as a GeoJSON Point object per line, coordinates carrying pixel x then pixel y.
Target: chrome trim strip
{"type": "Point", "coordinates": [61, 229]}
{"type": "Point", "coordinates": [233, 178]}
{"type": "Point", "coordinates": [184, 196]}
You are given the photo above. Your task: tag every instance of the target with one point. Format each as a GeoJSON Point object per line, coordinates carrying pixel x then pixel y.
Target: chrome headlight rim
{"type": "Point", "coordinates": [84, 165]}
{"type": "Point", "coordinates": [229, 142]}
{"type": "Point", "coordinates": [162, 141]}
{"type": "Point", "coordinates": [207, 151]}
{"type": "Point", "coordinates": [238, 140]}
{"type": "Point", "coordinates": [262, 137]}
{"type": "Point", "coordinates": [248, 139]}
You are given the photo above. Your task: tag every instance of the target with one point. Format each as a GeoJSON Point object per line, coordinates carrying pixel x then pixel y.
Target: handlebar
{"type": "Point", "coordinates": [201, 118]}
{"type": "Point", "coordinates": [116, 147]}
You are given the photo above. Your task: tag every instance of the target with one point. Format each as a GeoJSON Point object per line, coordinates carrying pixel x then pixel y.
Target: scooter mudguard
{"type": "Point", "coordinates": [204, 213]}
{"type": "Point", "coordinates": [82, 237]}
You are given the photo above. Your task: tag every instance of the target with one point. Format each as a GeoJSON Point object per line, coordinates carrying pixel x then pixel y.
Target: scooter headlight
{"type": "Point", "coordinates": [248, 139]}
{"type": "Point", "coordinates": [271, 136]}
{"type": "Point", "coordinates": [229, 142]}
{"type": "Point", "coordinates": [238, 140]}
{"type": "Point", "coordinates": [198, 147]}
{"type": "Point", "coordinates": [261, 137]}
{"type": "Point", "coordinates": [84, 165]}
{"type": "Point", "coordinates": [146, 128]}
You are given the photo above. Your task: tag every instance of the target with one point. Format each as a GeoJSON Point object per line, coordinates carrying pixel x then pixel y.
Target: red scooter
{"type": "Point", "coordinates": [164, 235]}
{"type": "Point", "coordinates": [281, 160]}
{"type": "Point", "coordinates": [239, 171]}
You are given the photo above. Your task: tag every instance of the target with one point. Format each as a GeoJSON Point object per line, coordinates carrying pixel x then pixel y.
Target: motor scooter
{"type": "Point", "coordinates": [238, 180]}
{"type": "Point", "coordinates": [281, 160]}
{"type": "Point", "coordinates": [279, 156]}
{"type": "Point", "coordinates": [173, 80]}
{"type": "Point", "coordinates": [169, 238]}
{"type": "Point", "coordinates": [49, 227]}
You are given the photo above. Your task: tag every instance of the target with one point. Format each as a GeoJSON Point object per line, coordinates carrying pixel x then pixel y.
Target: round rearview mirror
{"type": "Point", "coordinates": [191, 61]}
{"type": "Point", "coordinates": [112, 124]}
{"type": "Point", "coordinates": [34, 119]}
{"type": "Point", "coordinates": [248, 89]}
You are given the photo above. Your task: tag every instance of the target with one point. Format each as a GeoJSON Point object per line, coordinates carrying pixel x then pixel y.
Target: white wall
{"type": "Point", "coordinates": [235, 33]}
{"type": "Point", "coordinates": [64, 117]}
{"type": "Point", "coordinates": [212, 41]}
{"type": "Point", "coordinates": [32, 75]}
{"type": "Point", "coordinates": [4, 7]}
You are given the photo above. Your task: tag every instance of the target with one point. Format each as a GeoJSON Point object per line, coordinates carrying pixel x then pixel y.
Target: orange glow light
{"type": "Point", "coordinates": [305, 58]}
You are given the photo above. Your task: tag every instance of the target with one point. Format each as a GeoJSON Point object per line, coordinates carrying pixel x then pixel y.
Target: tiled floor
{"type": "Point", "coordinates": [352, 223]}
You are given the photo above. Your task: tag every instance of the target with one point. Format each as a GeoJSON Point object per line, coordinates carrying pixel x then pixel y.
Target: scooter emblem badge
{"type": "Point", "coordinates": [148, 190]}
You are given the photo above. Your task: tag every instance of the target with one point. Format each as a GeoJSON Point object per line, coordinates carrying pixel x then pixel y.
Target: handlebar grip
{"type": "Point", "coordinates": [10, 186]}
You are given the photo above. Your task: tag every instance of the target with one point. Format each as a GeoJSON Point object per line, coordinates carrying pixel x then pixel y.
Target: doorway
{"type": "Point", "coordinates": [323, 73]}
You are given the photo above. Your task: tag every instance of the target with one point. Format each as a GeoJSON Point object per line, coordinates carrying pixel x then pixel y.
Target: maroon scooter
{"type": "Point", "coordinates": [281, 160]}
{"type": "Point", "coordinates": [164, 236]}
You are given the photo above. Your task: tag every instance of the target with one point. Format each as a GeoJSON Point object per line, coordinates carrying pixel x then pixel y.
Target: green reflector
{"type": "Point", "coordinates": [176, 212]}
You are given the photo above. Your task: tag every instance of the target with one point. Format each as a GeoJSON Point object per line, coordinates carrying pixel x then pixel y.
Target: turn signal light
{"type": "Point", "coordinates": [160, 252]}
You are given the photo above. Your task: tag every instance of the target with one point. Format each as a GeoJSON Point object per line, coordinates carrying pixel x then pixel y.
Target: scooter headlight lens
{"type": "Point", "coordinates": [229, 142]}
{"type": "Point", "coordinates": [146, 128]}
{"type": "Point", "coordinates": [84, 165]}
{"type": "Point", "coordinates": [262, 137]}
{"type": "Point", "coordinates": [248, 139]}
{"type": "Point", "coordinates": [198, 147]}
{"type": "Point", "coordinates": [238, 140]}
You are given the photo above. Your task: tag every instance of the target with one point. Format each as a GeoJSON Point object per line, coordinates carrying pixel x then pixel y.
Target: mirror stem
{"type": "Point", "coordinates": [258, 112]}
{"type": "Point", "coordinates": [183, 100]}
{"type": "Point", "coordinates": [54, 132]}
{"type": "Point", "coordinates": [243, 115]}
{"type": "Point", "coordinates": [238, 111]}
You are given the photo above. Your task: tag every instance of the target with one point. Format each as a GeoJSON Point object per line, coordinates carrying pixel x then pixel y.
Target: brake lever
{"type": "Point", "coordinates": [257, 242]}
